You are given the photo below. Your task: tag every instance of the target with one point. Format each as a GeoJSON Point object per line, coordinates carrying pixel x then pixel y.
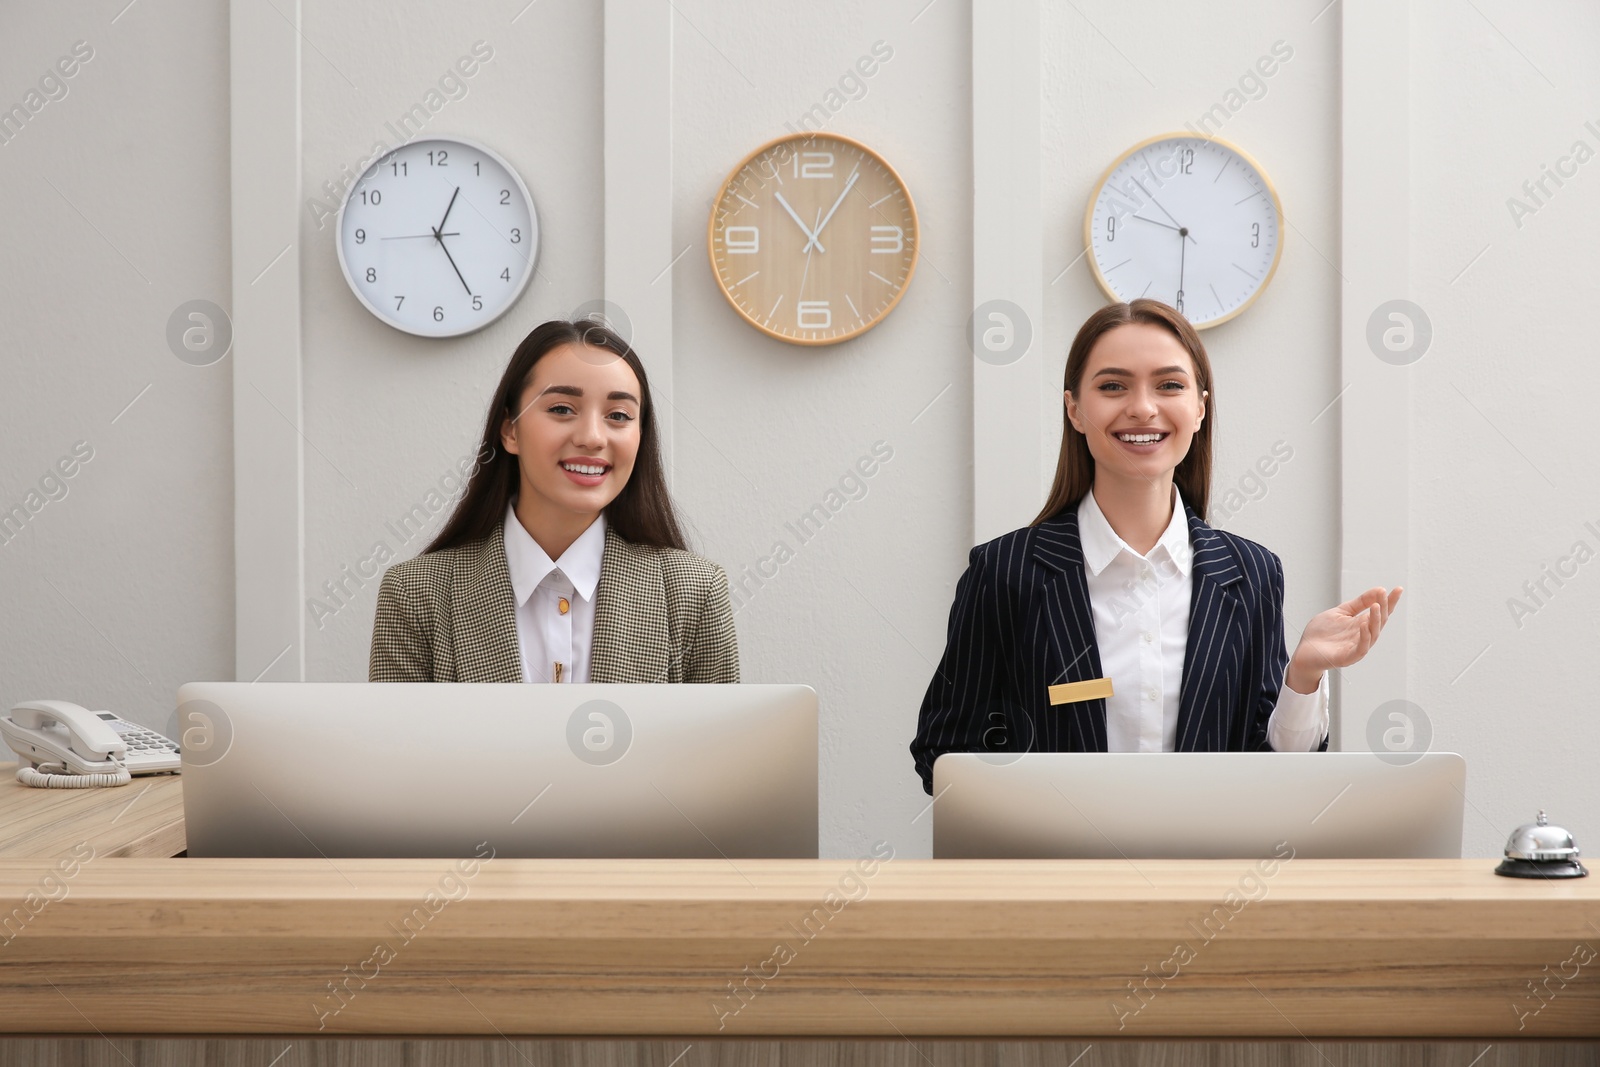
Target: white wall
{"type": "Point", "coordinates": [1505, 468]}
{"type": "Point", "coordinates": [125, 588]}
{"type": "Point", "coordinates": [116, 199]}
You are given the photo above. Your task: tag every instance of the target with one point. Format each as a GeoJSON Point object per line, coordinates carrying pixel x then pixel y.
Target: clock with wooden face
{"type": "Point", "coordinates": [813, 239]}
{"type": "Point", "coordinates": [1190, 221]}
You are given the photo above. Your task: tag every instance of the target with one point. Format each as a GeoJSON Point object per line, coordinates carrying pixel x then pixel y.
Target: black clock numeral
{"type": "Point", "coordinates": [398, 301]}
{"type": "Point", "coordinates": [398, 167]}
{"type": "Point", "coordinates": [441, 155]}
{"type": "Point", "coordinates": [516, 237]}
{"type": "Point", "coordinates": [372, 196]}
{"type": "Point", "coordinates": [477, 168]}
{"type": "Point", "coordinates": [438, 314]}
{"type": "Point", "coordinates": [505, 196]}
{"type": "Point", "coordinates": [477, 303]}
{"type": "Point", "coordinates": [361, 237]}
{"type": "Point", "coordinates": [1111, 227]}
{"type": "Point", "coordinates": [505, 275]}
{"type": "Point", "coordinates": [1255, 235]}
{"type": "Point", "coordinates": [1186, 161]}
{"type": "Point", "coordinates": [372, 274]}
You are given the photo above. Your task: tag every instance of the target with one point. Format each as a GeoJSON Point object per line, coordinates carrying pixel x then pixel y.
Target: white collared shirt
{"type": "Point", "coordinates": [555, 600]}
{"type": "Point", "coordinates": [1141, 606]}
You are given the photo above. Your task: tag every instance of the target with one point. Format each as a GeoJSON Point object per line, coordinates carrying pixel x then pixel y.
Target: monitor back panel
{"type": "Point", "coordinates": [1197, 805]}
{"type": "Point", "coordinates": [418, 770]}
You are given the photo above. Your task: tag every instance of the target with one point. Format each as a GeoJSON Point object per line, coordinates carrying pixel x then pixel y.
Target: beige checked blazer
{"type": "Point", "coordinates": [660, 615]}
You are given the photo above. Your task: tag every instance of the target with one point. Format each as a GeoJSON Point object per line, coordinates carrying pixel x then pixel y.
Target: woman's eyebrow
{"type": "Point", "coordinates": [1129, 374]}
{"type": "Point", "coordinates": [573, 390]}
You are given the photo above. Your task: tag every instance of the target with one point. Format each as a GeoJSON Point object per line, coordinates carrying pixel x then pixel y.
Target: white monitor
{"type": "Point", "coordinates": [340, 769]}
{"type": "Point", "coordinates": [1197, 805]}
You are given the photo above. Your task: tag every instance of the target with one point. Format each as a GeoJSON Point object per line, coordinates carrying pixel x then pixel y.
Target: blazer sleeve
{"type": "Point", "coordinates": [712, 652]}
{"type": "Point", "coordinates": [1273, 660]}
{"type": "Point", "coordinates": [966, 707]}
{"type": "Point", "coordinates": [400, 646]}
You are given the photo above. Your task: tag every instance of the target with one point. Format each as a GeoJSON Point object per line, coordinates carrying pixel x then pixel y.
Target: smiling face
{"type": "Point", "coordinates": [576, 430]}
{"type": "Point", "coordinates": [1138, 404]}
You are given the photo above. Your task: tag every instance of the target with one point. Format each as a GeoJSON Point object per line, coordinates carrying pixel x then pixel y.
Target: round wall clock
{"type": "Point", "coordinates": [439, 237]}
{"type": "Point", "coordinates": [813, 238]}
{"type": "Point", "coordinates": [1190, 221]}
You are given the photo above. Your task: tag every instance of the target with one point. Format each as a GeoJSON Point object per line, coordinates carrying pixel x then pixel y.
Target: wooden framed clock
{"type": "Point", "coordinates": [1191, 221]}
{"type": "Point", "coordinates": [813, 238]}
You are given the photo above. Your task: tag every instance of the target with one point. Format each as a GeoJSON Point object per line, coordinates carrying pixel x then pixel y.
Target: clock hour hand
{"type": "Point", "coordinates": [438, 231]}
{"type": "Point", "coordinates": [1153, 222]}
{"type": "Point", "coordinates": [811, 238]}
{"type": "Point", "coordinates": [1175, 223]}
{"type": "Point", "coordinates": [414, 236]}
{"type": "Point", "coordinates": [842, 194]}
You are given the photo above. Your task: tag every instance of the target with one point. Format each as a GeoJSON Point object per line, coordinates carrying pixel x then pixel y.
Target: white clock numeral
{"type": "Point", "coordinates": [813, 315]}
{"type": "Point", "coordinates": [893, 239]}
{"type": "Point", "coordinates": [738, 243]}
{"type": "Point", "coordinates": [817, 165]}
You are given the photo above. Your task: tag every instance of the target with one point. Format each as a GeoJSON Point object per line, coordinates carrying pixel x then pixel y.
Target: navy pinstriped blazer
{"type": "Point", "coordinates": [1022, 622]}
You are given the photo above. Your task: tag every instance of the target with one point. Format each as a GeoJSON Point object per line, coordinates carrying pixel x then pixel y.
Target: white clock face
{"type": "Point", "coordinates": [438, 238]}
{"type": "Point", "coordinates": [1189, 221]}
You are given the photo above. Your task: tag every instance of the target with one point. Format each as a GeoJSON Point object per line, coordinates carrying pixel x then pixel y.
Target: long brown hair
{"type": "Point", "coordinates": [642, 512]}
{"type": "Point", "coordinates": [1075, 467]}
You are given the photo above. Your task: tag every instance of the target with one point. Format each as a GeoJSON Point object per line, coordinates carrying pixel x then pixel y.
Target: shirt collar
{"type": "Point", "coordinates": [530, 565]}
{"type": "Point", "coordinates": [1101, 544]}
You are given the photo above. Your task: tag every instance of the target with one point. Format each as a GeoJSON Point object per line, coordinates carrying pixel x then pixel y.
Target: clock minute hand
{"type": "Point", "coordinates": [1183, 248]}
{"type": "Point", "coordinates": [811, 238]}
{"type": "Point", "coordinates": [453, 266]}
{"type": "Point", "coordinates": [842, 194]}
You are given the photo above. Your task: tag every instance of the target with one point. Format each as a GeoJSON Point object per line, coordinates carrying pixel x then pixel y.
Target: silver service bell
{"type": "Point", "coordinates": [1539, 850]}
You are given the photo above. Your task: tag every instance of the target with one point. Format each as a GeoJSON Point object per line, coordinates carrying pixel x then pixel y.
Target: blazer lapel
{"type": "Point", "coordinates": [1062, 632]}
{"type": "Point", "coordinates": [632, 642]}
{"type": "Point", "coordinates": [486, 619]}
{"type": "Point", "coordinates": [1206, 702]}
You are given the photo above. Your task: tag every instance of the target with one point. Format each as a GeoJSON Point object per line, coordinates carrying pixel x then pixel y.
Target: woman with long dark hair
{"type": "Point", "coordinates": [563, 560]}
{"type": "Point", "coordinates": [1119, 620]}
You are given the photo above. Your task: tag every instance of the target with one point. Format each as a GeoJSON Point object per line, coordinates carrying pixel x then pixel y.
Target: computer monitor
{"type": "Point", "coordinates": [1197, 805]}
{"type": "Point", "coordinates": [340, 769]}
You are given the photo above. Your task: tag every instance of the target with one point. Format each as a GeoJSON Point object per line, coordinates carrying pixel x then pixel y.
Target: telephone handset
{"type": "Point", "coordinates": [78, 747]}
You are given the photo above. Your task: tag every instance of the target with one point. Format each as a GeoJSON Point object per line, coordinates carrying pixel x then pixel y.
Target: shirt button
{"type": "Point", "coordinates": [563, 605]}
{"type": "Point", "coordinates": [1149, 638]}
{"type": "Point", "coordinates": [1149, 694]}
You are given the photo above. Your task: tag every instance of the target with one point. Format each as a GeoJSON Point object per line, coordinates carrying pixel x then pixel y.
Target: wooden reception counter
{"type": "Point", "coordinates": [1324, 949]}
{"type": "Point", "coordinates": [880, 947]}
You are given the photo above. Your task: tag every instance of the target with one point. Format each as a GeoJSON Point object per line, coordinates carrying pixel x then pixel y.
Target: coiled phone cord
{"type": "Point", "coordinates": [52, 776]}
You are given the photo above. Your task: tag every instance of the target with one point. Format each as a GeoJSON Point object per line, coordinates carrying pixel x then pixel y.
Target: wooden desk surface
{"type": "Point", "coordinates": [1319, 949]}
{"type": "Point", "coordinates": [142, 818]}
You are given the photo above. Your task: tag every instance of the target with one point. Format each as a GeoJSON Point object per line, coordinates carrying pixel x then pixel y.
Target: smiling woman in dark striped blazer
{"type": "Point", "coordinates": [1121, 580]}
{"type": "Point", "coordinates": [563, 561]}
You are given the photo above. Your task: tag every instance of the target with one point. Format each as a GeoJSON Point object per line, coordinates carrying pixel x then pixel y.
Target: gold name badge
{"type": "Point", "coordinates": [1073, 692]}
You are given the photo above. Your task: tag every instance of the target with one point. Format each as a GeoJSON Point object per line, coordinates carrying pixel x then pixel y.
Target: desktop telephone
{"type": "Point", "coordinates": [66, 746]}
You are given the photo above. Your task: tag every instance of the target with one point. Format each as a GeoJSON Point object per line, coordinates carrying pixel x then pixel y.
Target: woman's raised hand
{"type": "Point", "coordinates": [1340, 636]}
